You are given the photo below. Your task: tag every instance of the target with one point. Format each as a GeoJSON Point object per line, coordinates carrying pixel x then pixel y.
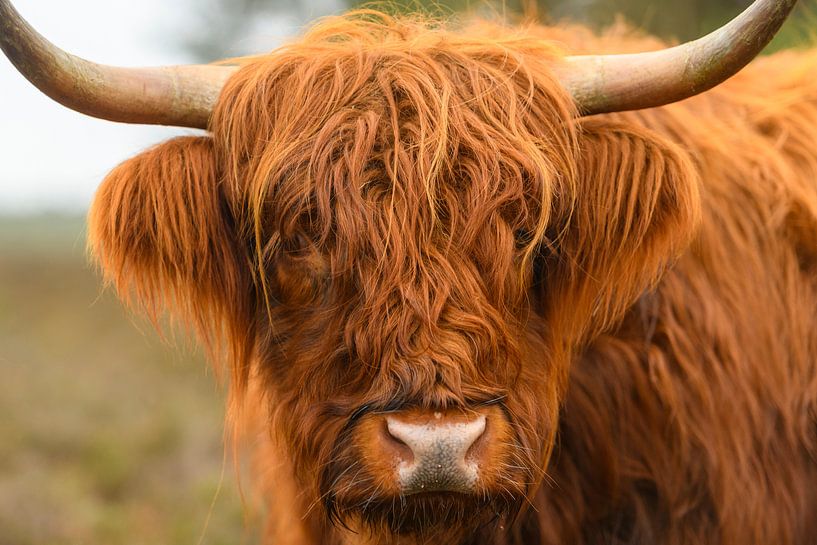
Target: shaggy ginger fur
{"type": "Point", "coordinates": [390, 213]}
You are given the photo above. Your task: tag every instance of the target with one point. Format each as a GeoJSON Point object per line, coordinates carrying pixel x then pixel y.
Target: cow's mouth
{"type": "Point", "coordinates": [448, 516]}
{"type": "Point", "coordinates": [381, 456]}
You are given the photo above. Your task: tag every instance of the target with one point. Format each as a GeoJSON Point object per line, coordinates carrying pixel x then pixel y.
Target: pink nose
{"type": "Point", "coordinates": [436, 453]}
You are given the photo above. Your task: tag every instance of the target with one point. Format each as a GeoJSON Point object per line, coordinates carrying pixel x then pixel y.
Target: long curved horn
{"type": "Point", "coordinates": [173, 95]}
{"type": "Point", "coordinates": [613, 83]}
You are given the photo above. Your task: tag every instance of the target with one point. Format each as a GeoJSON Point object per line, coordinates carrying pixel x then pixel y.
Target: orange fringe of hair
{"type": "Point", "coordinates": [390, 209]}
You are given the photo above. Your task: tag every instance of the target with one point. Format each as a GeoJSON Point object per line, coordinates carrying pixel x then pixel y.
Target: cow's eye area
{"type": "Point", "coordinates": [299, 271]}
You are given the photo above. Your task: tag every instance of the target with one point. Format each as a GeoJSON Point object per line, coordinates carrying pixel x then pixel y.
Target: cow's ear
{"type": "Point", "coordinates": [161, 230]}
{"type": "Point", "coordinates": [635, 209]}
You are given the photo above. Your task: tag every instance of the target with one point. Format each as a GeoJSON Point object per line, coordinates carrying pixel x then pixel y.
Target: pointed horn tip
{"type": "Point", "coordinates": [611, 83]}
{"type": "Point", "coordinates": [181, 96]}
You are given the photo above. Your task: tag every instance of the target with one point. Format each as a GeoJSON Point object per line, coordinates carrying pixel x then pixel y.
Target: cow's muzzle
{"type": "Point", "coordinates": [416, 468]}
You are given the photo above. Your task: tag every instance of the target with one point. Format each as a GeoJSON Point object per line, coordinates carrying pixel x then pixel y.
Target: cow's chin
{"type": "Point", "coordinates": [433, 517]}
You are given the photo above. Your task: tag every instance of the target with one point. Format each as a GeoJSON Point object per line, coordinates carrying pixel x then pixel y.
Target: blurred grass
{"type": "Point", "coordinates": [107, 435]}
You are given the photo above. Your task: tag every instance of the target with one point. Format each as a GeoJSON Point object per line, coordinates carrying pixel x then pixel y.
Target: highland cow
{"type": "Point", "coordinates": [474, 290]}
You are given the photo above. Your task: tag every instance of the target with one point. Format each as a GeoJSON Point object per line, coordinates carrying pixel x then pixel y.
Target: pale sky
{"type": "Point", "coordinates": [52, 158]}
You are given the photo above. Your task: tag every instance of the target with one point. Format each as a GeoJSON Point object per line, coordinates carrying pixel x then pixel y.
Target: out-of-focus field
{"type": "Point", "coordinates": [107, 435]}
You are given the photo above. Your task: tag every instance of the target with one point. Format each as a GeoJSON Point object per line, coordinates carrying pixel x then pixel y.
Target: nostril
{"type": "Point", "coordinates": [477, 443]}
{"type": "Point", "coordinates": [396, 444]}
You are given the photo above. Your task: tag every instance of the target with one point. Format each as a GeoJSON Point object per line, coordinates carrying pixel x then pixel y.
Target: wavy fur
{"type": "Point", "coordinates": [388, 211]}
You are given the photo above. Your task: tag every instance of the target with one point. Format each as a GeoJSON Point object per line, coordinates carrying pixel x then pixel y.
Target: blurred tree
{"type": "Point", "coordinates": [228, 24]}
{"type": "Point", "coordinates": [676, 20]}
{"type": "Point", "coordinates": [227, 28]}
{"type": "Point", "coordinates": [669, 19]}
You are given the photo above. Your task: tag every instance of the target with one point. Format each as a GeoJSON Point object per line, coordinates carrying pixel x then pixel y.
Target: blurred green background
{"type": "Point", "coordinates": [674, 20]}
{"type": "Point", "coordinates": [109, 435]}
